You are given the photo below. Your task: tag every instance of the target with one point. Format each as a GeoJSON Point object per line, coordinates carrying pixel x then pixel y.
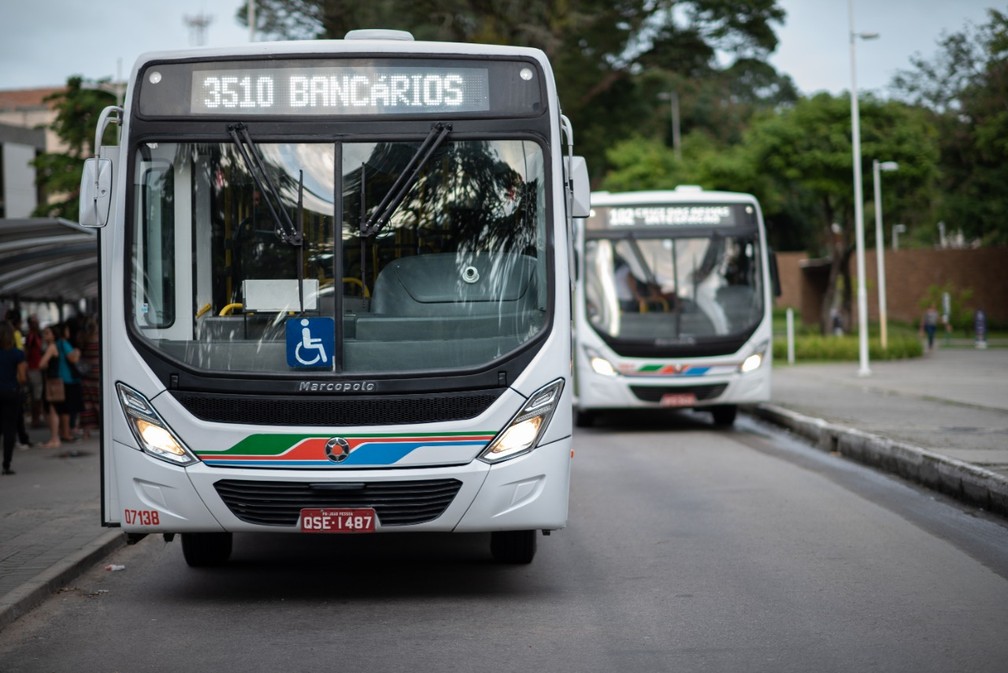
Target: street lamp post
{"type": "Point", "coordinates": [862, 294]}
{"type": "Point", "coordinates": [251, 12]}
{"type": "Point", "coordinates": [877, 168]}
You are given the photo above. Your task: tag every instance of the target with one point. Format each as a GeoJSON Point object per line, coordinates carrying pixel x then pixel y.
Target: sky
{"type": "Point", "coordinates": [43, 42]}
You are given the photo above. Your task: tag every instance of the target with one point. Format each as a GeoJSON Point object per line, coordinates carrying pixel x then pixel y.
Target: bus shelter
{"type": "Point", "coordinates": [48, 261]}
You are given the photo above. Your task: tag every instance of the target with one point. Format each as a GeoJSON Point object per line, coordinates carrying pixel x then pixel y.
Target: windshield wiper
{"type": "Point", "coordinates": [283, 226]}
{"type": "Point", "coordinates": [404, 183]}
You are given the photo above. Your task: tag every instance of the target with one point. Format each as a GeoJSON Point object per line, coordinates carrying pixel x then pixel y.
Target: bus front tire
{"type": "Point", "coordinates": [513, 546]}
{"type": "Point", "coordinates": [202, 550]}
{"type": "Point", "coordinates": [724, 416]}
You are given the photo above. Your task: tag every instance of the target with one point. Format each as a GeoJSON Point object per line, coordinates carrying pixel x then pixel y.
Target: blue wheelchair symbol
{"type": "Point", "coordinates": [310, 342]}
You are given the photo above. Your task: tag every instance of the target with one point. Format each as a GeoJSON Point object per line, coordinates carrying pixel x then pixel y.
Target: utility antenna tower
{"type": "Point", "coordinates": [197, 28]}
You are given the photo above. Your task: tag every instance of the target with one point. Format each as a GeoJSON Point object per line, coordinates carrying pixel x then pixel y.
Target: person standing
{"type": "Point", "coordinates": [33, 354]}
{"type": "Point", "coordinates": [63, 351]}
{"type": "Point", "coordinates": [929, 325]}
{"type": "Point", "coordinates": [14, 318]}
{"type": "Point", "coordinates": [13, 374]}
{"type": "Point", "coordinates": [52, 411]}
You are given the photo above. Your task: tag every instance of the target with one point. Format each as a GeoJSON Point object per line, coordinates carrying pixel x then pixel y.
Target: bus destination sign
{"type": "Point", "coordinates": [349, 90]}
{"type": "Point", "coordinates": [670, 216]}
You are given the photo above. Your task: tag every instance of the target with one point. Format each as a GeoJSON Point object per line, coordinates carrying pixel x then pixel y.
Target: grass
{"type": "Point", "coordinates": [903, 341]}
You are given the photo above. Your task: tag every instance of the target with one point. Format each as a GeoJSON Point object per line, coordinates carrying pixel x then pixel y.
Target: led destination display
{"type": "Point", "coordinates": [679, 215]}
{"type": "Point", "coordinates": [340, 91]}
{"type": "Point", "coordinates": [352, 87]}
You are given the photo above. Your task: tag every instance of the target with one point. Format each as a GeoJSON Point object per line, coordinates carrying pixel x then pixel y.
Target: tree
{"type": "Point", "coordinates": [58, 173]}
{"type": "Point", "coordinates": [611, 58]}
{"type": "Point", "coordinates": [965, 87]}
{"type": "Point", "coordinates": [803, 158]}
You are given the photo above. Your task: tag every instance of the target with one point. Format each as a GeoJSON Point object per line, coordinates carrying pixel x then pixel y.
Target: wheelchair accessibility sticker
{"type": "Point", "coordinates": [310, 342]}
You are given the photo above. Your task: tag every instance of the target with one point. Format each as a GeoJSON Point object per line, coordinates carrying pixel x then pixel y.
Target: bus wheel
{"type": "Point", "coordinates": [513, 546]}
{"type": "Point", "coordinates": [206, 549]}
{"type": "Point", "coordinates": [724, 416]}
{"type": "Point", "coordinates": [583, 419]}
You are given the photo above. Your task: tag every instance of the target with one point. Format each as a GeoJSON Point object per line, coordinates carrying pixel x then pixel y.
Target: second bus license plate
{"type": "Point", "coordinates": [360, 520]}
{"type": "Point", "coordinates": [678, 400]}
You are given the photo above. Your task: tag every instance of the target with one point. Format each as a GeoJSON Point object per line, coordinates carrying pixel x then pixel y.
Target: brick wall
{"type": "Point", "coordinates": [909, 273]}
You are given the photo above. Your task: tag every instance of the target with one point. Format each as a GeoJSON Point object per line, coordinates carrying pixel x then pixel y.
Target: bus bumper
{"type": "Point", "coordinates": [528, 492]}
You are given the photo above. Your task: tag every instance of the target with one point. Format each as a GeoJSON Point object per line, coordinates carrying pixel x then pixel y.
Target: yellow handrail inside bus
{"type": "Point", "coordinates": [359, 282]}
{"type": "Point", "coordinates": [229, 308]}
{"type": "Point", "coordinates": [204, 309]}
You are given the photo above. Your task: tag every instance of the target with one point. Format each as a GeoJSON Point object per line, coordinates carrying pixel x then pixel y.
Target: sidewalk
{"type": "Point", "coordinates": [50, 522]}
{"type": "Point", "coordinates": [940, 420]}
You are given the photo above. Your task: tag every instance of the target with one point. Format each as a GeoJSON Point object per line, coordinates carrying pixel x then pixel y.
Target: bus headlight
{"type": "Point", "coordinates": [523, 432]}
{"type": "Point", "coordinates": [754, 361]}
{"type": "Point", "coordinates": [149, 429]}
{"type": "Point", "coordinates": [599, 364]}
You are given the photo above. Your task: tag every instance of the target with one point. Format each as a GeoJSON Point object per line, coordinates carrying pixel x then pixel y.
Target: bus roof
{"type": "Point", "coordinates": [385, 46]}
{"type": "Point", "coordinates": [682, 194]}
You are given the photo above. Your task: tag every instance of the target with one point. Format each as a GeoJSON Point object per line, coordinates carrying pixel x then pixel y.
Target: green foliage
{"type": "Point", "coordinates": [965, 86]}
{"type": "Point", "coordinates": [805, 154]}
{"type": "Point", "coordinates": [847, 348]}
{"type": "Point", "coordinates": [611, 59]}
{"type": "Point", "coordinates": [58, 173]}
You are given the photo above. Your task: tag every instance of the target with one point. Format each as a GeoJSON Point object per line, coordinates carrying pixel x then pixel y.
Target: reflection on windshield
{"type": "Point", "coordinates": [456, 278]}
{"type": "Point", "coordinates": [672, 289]}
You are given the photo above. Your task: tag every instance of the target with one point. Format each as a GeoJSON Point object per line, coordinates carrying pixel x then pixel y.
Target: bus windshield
{"type": "Point", "coordinates": [455, 276]}
{"type": "Point", "coordinates": [673, 288]}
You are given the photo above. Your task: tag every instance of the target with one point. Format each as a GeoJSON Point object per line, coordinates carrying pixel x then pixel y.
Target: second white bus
{"type": "Point", "coordinates": [673, 303]}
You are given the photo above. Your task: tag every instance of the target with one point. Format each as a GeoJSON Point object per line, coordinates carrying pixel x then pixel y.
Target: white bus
{"type": "Point", "coordinates": [673, 303]}
{"type": "Point", "coordinates": [336, 288]}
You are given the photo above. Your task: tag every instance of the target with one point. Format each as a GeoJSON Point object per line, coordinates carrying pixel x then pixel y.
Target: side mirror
{"type": "Point", "coordinates": [577, 173]}
{"type": "Point", "coordinates": [95, 193]}
{"type": "Point", "coordinates": [774, 273]}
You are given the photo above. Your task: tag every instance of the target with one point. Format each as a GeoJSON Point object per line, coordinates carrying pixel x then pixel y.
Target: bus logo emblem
{"type": "Point", "coordinates": [310, 342]}
{"type": "Point", "coordinates": [337, 449]}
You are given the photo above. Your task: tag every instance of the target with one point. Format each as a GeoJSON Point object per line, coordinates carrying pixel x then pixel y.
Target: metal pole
{"type": "Point", "coordinates": [790, 336]}
{"type": "Point", "coordinates": [862, 295]}
{"type": "Point", "coordinates": [676, 140]}
{"type": "Point", "coordinates": [880, 253]}
{"type": "Point", "coordinates": [251, 20]}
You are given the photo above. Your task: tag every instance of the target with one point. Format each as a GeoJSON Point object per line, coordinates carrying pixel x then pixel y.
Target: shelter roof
{"type": "Point", "coordinates": [47, 259]}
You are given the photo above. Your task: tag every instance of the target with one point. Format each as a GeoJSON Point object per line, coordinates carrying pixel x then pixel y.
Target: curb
{"type": "Point", "coordinates": [962, 481]}
{"type": "Point", "coordinates": [28, 596]}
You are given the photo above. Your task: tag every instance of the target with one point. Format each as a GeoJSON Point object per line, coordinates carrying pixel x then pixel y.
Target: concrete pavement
{"type": "Point", "coordinates": [941, 420]}
{"type": "Point", "coordinates": [50, 522]}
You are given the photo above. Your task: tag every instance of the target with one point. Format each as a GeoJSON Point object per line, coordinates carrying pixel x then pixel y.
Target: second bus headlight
{"type": "Point", "coordinates": [149, 429]}
{"type": "Point", "coordinates": [754, 361]}
{"type": "Point", "coordinates": [599, 364]}
{"type": "Point", "coordinates": [523, 432]}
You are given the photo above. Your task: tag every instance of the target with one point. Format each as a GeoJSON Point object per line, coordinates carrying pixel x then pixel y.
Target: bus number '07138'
{"type": "Point", "coordinates": [143, 517]}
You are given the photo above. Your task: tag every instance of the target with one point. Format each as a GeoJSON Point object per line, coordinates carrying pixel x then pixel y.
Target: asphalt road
{"type": "Point", "coordinates": [688, 550]}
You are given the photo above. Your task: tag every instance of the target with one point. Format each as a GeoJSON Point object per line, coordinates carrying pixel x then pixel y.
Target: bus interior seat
{"type": "Point", "coordinates": [447, 284]}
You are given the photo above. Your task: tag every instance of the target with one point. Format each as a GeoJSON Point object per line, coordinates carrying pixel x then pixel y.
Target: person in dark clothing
{"type": "Point", "coordinates": [13, 374]}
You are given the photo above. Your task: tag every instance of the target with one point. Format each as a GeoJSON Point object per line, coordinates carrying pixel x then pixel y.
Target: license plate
{"type": "Point", "coordinates": [678, 400]}
{"type": "Point", "coordinates": [361, 520]}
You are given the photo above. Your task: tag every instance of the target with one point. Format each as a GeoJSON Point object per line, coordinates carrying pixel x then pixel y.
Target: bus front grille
{"type": "Point", "coordinates": [378, 410]}
{"type": "Point", "coordinates": [279, 503]}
